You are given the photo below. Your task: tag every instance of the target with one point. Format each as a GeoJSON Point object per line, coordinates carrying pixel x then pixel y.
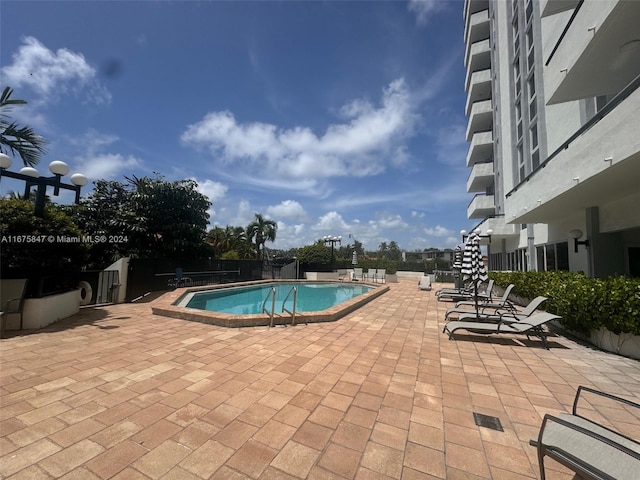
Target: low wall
{"type": "Point", "coordinates": [40, 312]}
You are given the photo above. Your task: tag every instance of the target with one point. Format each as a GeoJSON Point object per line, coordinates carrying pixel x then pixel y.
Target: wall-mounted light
{"type": "Point", "coordinates": [576, 234]}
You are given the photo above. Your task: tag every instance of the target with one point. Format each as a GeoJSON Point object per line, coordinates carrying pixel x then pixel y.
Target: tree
{"type": "Point", "coordinates": [393, 251]}
{"type": "Point", "coordinates": [33, 243]}
{"type": "Point", "coordinates": [260, 231]}
{"type": "Point", "coordinates": [230, 242]}
{"type": "Point", "coordinates": [17, 139]}
{"type": "Point", "coordinates": [146, 217]}
{"type": "Point", "coordinates": [316, 253]}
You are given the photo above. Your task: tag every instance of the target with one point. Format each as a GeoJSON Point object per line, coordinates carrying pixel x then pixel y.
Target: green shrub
{"type": "Point", "coordinates": [585, 304]}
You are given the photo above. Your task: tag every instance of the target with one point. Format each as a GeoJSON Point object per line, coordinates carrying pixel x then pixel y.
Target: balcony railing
{"type": "Point", "coordinates": [606, 110]}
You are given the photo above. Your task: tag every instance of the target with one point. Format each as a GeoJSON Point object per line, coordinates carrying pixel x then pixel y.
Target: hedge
{"type": "Point", "coordinates": [585, 304]}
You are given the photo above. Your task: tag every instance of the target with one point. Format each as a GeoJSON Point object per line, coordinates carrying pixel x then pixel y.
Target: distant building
{"type": "Point", "coordinates": [554, 150]}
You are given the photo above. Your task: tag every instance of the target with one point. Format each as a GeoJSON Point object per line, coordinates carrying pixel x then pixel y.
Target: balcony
{"type": "Point", "coordinates": [480, 178]}
{"type": "Point", "coordinates": [479, 89]}
{"type": "Point", "coordinates": [480, 118]}
{"type": "Point", "coordinates": [480, 60]}
{"type": "Point", "coordinates": [481, 206]}
{"type": "Point", "coordinates": [600, 165]}
{"type": "Point", "coordinates": [551, 7]}
{"type": "Point", "coordinates": [478, 27]}
{"type": "Point", "coordinates": [480, 149]}
{"type": "Point", "coordinates": [598, 54]}
{"type": "Point", "coordinates": [476, 53]}
{"type": "Point", "coordinates": [474, 6]}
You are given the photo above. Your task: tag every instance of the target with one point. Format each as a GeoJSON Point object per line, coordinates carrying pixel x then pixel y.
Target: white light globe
{"type": "Point", "coordinates": [5, 161]}
{"type": "Point", "coordinates": [30, 172]}
{"type": "Point", "coordinates": [58, 167]}
{"type": "Point", "coordinates": [79, 179]}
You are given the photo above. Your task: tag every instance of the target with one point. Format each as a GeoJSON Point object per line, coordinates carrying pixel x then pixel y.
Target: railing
{"type": "Point", "coordinates": [608, 108]}
{"type": "Point", "coordinates": [564, 32]}
{"type": "Point", "coordinates": [272, 294]}
{"type": "Point", "coordinates": [293, 290]}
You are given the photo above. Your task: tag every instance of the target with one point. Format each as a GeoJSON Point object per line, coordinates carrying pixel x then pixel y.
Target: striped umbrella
{"type": "Point", "coordinates": [473, 268]}
{"type": "Point", "coordinates": [354, 259]}
{"type": "Point", "coordinates": [457, 258]}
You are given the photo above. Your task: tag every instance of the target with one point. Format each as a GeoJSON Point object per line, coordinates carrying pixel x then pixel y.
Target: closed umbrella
{"type": "Point", "coordinates": [354, 259]}
{"type": "Point", "coordinates": [473, 268]}
{"type": "Point", "coordinates": [457, 265]}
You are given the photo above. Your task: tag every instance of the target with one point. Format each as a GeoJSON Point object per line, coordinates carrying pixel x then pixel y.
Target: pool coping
{"type": "Point", "coordinates": [166, 305]}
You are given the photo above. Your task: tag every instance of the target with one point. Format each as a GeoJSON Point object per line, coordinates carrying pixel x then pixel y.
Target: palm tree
{"type": "Point", "coordinates": [259, 231]}
{"type": "Point", "coordinates": [17, 139]}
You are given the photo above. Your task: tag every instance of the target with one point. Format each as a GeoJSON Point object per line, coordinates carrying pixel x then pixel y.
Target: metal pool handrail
{"type": "Point", "coordinates": [294, 289]}
{"type": "Point", "coordinates": [272, 294]}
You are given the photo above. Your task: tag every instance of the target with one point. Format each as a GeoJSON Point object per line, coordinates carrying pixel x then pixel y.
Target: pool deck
{"type": "Point", "coordinates": [118, 392]}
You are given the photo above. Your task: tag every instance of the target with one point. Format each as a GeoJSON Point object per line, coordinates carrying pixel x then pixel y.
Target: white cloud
{"type": "Point", "coordinates": [108, 166]}
{"type": "Point", "coordinates": [215, 191]}
{"type": "Point", "coordinates": [287, 209]}
{"type": "Point", "coordinates": [438, 231]}
{"type": "Point", "coordinates": [358, 147]}
{"type": "Point", "coordinates": [415, 214]}
{"type": "Point", "coordinates": [424, 9]}
{"type": "Point", "coordinates": [50, 73]}
{"type": "Point", "coordinates": [330, 223]}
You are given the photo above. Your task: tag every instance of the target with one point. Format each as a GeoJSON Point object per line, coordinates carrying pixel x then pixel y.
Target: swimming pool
{"type": "Point", "coordinates": [240, 305]}
{"type": "Point", "coordinates": [312, 297]}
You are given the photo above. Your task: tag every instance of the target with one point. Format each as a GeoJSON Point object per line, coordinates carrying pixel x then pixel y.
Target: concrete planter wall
{"type": "Point", "coordinates": [40, 312]}
{"type": "Point", "coordinates": [624, 344]}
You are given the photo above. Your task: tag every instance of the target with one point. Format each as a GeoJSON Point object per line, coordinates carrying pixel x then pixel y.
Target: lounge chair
{"type": "Point", "coordinates": [483, 295]}
{"type": "Point", "coordinates": [12, 294]}
{"type": "Point", "coordinates": [425, 283]}
{"type": "Point", "coordinates": [381, 274]}
{"type": "Point", "coordinates": [589, 448]}
{"type": "Point", "coordinates": [357, 274]}
{"type": "Point", "coordinates": [498, 316]}
{"type": "Point", "coordinates": [503, 303]}
{"type": "Point", "coordinates": [344, 274]}
{"type": "Point", "coordinates": [371, 274]}
{"type": "Point", "coordinates": [531, 326]}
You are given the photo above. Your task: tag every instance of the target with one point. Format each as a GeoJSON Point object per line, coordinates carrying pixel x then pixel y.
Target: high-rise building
{"type": "Point", "coordinates": [554, 130]}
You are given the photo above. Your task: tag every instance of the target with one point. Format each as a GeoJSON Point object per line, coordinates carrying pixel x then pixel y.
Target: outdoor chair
{"type": "Point", "coordinates": [357, 274]}
{"type": "Point", "coordinates": [12, 295]}
{"type": "Point", "coordinates": [371, 274]}
{"type": "Point", "coordinates": [381, 274]}
{"type": "Point", "coordinates": [501, 304]}
{"type": "Point", "coordinates": [498, 316]}
{"type": "Point", "coordinates": [344, 274]}
{"type": "Point", "coordinates": [485, 295]}
{"type": "Point", "coordinates": [531, 326]}
{"type": "Point", "coordinates": [425, 283]}
{"type": "Point", "coordinates": [587, 447]}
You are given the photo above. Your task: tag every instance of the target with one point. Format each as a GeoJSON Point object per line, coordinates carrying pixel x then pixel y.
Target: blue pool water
{"type": "Point", "coordinates": [312, 297]}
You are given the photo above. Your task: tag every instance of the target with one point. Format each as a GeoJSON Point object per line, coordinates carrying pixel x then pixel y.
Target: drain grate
{"type": "Point", "coordinates": [487, 421]}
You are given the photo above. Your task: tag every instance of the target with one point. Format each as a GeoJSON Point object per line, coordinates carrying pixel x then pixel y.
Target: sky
{"type": "Point", "coordinates": [341, 118]}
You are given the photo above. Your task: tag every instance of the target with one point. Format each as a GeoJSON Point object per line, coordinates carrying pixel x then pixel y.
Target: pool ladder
{"type": "Point", "coordinates": [272, 295]}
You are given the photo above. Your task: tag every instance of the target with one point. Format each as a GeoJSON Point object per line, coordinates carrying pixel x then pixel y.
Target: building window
{"type": "Point", "coordinates": [553, 256]}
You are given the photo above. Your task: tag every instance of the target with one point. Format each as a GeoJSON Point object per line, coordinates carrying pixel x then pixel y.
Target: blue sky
{"type": "Point", "coordinates": [331, 118]}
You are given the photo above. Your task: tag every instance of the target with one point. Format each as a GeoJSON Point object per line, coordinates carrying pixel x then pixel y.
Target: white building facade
{"type": "Point", "coordinates": [553, 102]}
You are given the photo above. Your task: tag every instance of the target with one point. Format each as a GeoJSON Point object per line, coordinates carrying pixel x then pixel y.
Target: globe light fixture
{"type": "Point", "coordinates": [32, 178]}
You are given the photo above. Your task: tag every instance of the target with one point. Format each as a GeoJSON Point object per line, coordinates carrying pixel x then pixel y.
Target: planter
{"type": "Point", "coordinates": [40, 312]}
{"type": "Point", "coordinates": [623, 344]}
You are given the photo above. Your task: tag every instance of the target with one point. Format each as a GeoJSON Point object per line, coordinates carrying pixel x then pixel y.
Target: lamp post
{"type": "Point", "coordinates": [31, 177]}
{"type": "Point", "coordinates": [330, 239]}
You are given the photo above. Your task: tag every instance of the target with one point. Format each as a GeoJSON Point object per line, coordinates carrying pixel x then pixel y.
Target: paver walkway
{"type": "Point", "coordinates": [117, 392]}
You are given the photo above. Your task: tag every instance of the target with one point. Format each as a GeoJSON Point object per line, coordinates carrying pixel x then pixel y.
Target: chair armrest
{"type": "Point", "coordinates": [548, 417]}
{"type": "Point", "coordinates": [602, 394]}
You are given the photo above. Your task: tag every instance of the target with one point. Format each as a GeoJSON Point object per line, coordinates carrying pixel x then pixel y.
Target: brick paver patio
{"type": "Point", "coordinates": [116, 392]}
